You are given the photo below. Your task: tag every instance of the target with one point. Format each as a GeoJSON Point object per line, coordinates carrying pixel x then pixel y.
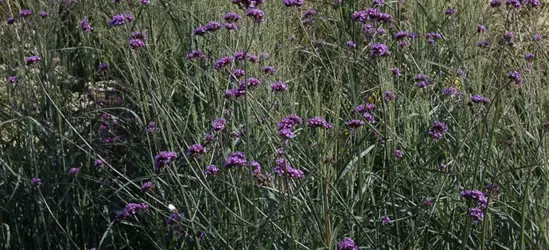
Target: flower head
{"type": "Point", "coordinates": [347, 244]}
{"type": "Point", "coordinates": [292, 3]}
{"type": "Point", "coordinates": [132, 209]}
{"type": "Point", "coordinates": [196, 150]}
{"type": "Point", "coordinates": [195, 55]}
{"type": "Point", "coordinates": [163, 158]}
{"type": "Point", "coordinates": [481, 28]}
{"type": "Point", "coordinates": [25, 13]}
{"type": "Point", "coordinates": [437, 130]}
{"type": "Point", "coordinates": [12, 79]}
{"type": "Point", "coordinates": [398, 153]}
{"type": "Point", "coordinates": [147, 186]}
{"type": "Point", "coordinates": [318, 122]}
{"type": "Point", "coordinates": [515, 76]}
{"type": "Point", "coordinates": [476, 214]}
{"type": "Point", "coordinates": [385, 220]}
{"type": "Point", "coordinates": [379, 50]}
{"type": "Point", "coordinates": [85, 26]}
{"type": "Point", "coordinates": [35, 181]}
{"type": "Point", "coordinates": [479, 99]}
{"type": "Point", "coordinates": [211, 170]}
{"type": "Point", "coordinates": [231, 17]}
{"type": "Point", "coordinates": [74, 171]}
{"type": "Point", "coordinates": [43, 14]}
{"type": "Point", "coordinates": [450, 12]}
{"type": "Point", "coordinates": [279, 86]}
{"type": "Point", "coordinates": [235, 159]}
{"type": "Point", "coordinates": [256, 14]}
{"type": "Point", "coordinates": [218, 124]}
{"type": "Point", "coordinates": [222, 62]}
{"type": "Point", "coordinates": [32, 60]}
{"type": "Point", "coordinates": [120, 19]}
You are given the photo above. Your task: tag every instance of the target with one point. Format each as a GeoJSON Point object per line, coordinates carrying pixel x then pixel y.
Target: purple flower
{"type": "Point", "coordinates": [25, 13]}
{"type": "Point", "coordinates": [354, 124]}
{"type": "Point", "coordinates": [536, 37]}
{"type": "Point", "coordinates": [74, 171]}
{"type": "Point", "coordinates": [211, 170]}
{"type": "Point", "coordinates": [231, 17]}
{"type": "Point", "coordinates": [252, 82]}
{"type": "Point", "coordinates": [32, 60]}
{"type": "Point", "coordinates": [350, 44]}
{"type": "Point", "coordinates": [514, 3]}
{"type": "Point", "coordinates": [163, 158]}
{"type": "Point", "coordinates": [278, 86]}
{"type": "Point", "coordinates": [256, 14]}
{"type": "Point", "coordinates": [389, 96]}
{"type": "Point", "coordinates": [347, 244]}
{"type": "Point", "coordinates": [401, 35]}
{"type": "Point", "coordinates": [12, 79]}
{"type": "Point", "coordinates": [437, 130]}
{"type": "Point", "coordinates": [235, 159]}
{"type": "Point", "coordinates": [385, 220]}
{"type": "Point", "coordinates": [508, 37]}
{"type": "Point", "coordinates": [475, 195]}
{"type": "Point", "coordinates": [222, 62]}
{"type": "Point", "coordinates": [35, 181]}
{"type": "Point", "coordinates": [479, 99]}
{"type": "Point", "coordinates": [369, 117]}
{"type": "Point", "coordinates": [231, 26]}
{"type": "Point", "coordinates": [256, 167]}
{"type": "Point", "coordinates": [152, 127]}
{"type": "Point", "coordinates": [308, 14]}
{"type": "Point", "coordinates": [145, 2]}
{"type": "Point", "coordinates": [395, 71]}
{"type": "Point", "coordinates": [483, 44]}
{"type": "Point", "coordinates": [495, 3]}
{"type": "Point", "coordinates": [136, 43]}
{"type": "Point", "coordinates": [234, 93]}
{"type": "Point", "coordinates": [132, 209]}
{"type": "Point", "coordinates": [432, 37]}
{"type": "Point", "coordinates": [318, 122]}
{"type": "Point", "coordinates": [102, 67]}
{"type": "Point", "coordinates": [196, 150]}
{"type": "Point", "coordinates": [369, 31]}
{"type": "Point", "coordinates": [529, 57]}
{"type": "Point", "coordinates": [476, 214]}
{"type": "Point", "coordinates": [270, 70]}
{"type": "Point", "coordinates": [450, 12]}
{"type": "Point", "coordinates": [533, 3]}
{"type": "Point", "coordinates": [481, 28]}
{"type": "Point", "coordinates": [398, 153]}
{"type": "Point", "coordinates": [461, 73]}
{"type": "Point", "coordinates": [212, 26]}
{"type": "Point", "coordinates": [238, 73]}
{"type": "Point", "coordinates": [85, 25]}
{"type": "Point", "coordinates": [120, 19]}
{"type": "Point", "coordinates": [451, 91]}
{"type": "Point", "coordinates": [378, 50]}
{"type": "Point", "coordinates": [147, 186]}
{"type": "Point", "coordinates": [11, 20]}
{"type": "Point", "coordinates": [174, 218]}
{"type": "Point", "coordinates": [43, 14]}
{"type": "Point", "coordinates": [282, 168]}
{"type": "Point", "coordinates": [377, 3]}
{"type": "Point", "coordinates": [98, 163]}
{"type": "Point", "coordinates": [245, 4]}
{"type": "Point", "coordinates": [218, 124]}
{"type": "Point", "coordinates": [515, 76]}
{"type": "Point", "coordinates": [195, 54]}
{"type": "Point", "coordinates": [292, 3]}
{"type": "Point", "coordinates": [252, 58]}
{"type": "Point", "coordinates": [199, 31]}
{"type": "Point", "coordinates": [138, 35]}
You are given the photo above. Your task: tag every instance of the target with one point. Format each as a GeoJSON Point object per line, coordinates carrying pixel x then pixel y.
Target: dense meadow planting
{"type": "Point", "coordinates": [277, 124]}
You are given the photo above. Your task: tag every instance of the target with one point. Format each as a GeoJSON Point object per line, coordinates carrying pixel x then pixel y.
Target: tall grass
{"type": "Point", "coordinates": [62, 113]}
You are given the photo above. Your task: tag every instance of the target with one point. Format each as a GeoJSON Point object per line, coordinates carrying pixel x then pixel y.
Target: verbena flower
{"type": "Point", "coordinates": [350, 44]}
{"type": "Point", "coordinates": [147, 186]}
{"type": "Point", "coordinates": [451, 92]}
{"type": "Point", "coordinates": [35, 181]}
{"type": "Point", "coordinates": [495, 3]}
{"type": "Point", "coordinates": [278, 86]}
{"type": "Point", "coordinates": [234, 92]}
{"type": "Point", "coordinates": [11, 20]}
{"type": "Point", "coordinates": [256, 168]}
{"type": "Point", "coordinates": [98, 163]}
{"type": "Point", "coordinates": [483, 44]}
{"type": "Point", "coordinates": [481, 28]}
{"type": "Point", "coordinates": [30, 60]}
{"type": "Point", "coordinates": [508, 37]}
{"type": "Point", "coordinates": [353, 124]}
{"type": "Point", "coordinates": [222, 62]}
{"type": "Point", "coordinates": [256, 14]}
{"type": "Point", "coordinates": [318, 122]}
{"type": "Point", "coordinates": [85, 26]}
{"type": "Point", "coordinates": [347, 244]}
{"type": "Point", "coordinates": [379, 50]}
{"type": "Point", "coordinates": [401, 35]}
{"type": "Point", "coordinates": [270, 70]}
{"type": "Point", "coordinates": [515, 76]}
{"type": "Point", "coordinates": [231, 26]}
{"type": "Point", "coordinates": [238, 73]}
{"type": "Point", "coordinates": [43, 14]}
{"type": "Point", "coordinates": [450, 12]}
{"type": "Point", "coordinates": [370, 31]}
{"type": "Point", "coordinates": [396, 71]}
{"type": "Point", "coordinates": [476, 214]}
{"type": "Point", "coordinates": [131, 210]}
{"type": "Point", "coordinates": [292, 3]}
{"type": "Point", "coordinates": [378, 3]}
{"type": "Point", "coordinates": [529, 57]}
{"type": "Point", "coordinates": [195, 55]}
{"type": "Point", "coordinates": [12, 79]}
{"type": "Point", "coordinates": [475, 195]}
{"type": "Point", "coordinates": [74, 171]}
{"type": "Point", "coordinates": [235, 159]}
{"type": "Point", "coordinates": [211, 170]}
{"type": "Point", "coordinates": [173, 219]}
{"type": "Point", "coordinates": [136, 43]}
{"type": "Point", "coordinates": [437, 130]}
{"type": "Point", "coordinates": [145, 2]}
{"type": "Point", "coordinates": [514, 3]}
{"type": "Point", "coordinates": [308, 14]}
{"type": "Point", "coordinates": [163, 158]}
{"type": "Point", "coordinates": [25, 13]}
{"type": "Point", "coordinates": [212, 26]}
{"type": "Point", "coordinates": [389, 95]}
{"type": "Point", "coordinates": [282, 168]}
{"type": "Point", "coordinates": [152, 127]}
{"type": "Point", "coordinates": [536, 37]}
{"type": "Point", "coordinates": [432, 37]}
{"type": "Point", "coordinates": [231, 17]}
{"type": "Point", "coordinates": [102, 67]}
{"type": "Point", "coordinates": [120, 19]}
{"type": "Point", "coordinates": [479, 99]}
{"type": "Point", "coordinates": [218, 124]}
{"type": "Point", "coordinates": [196, 150]}
{"type": "Point", "coordinates": [385, 220]}
{"type": "Point", "coordinates": [398, 153]}
{"type": "Point", "coordinates": [369, 117]}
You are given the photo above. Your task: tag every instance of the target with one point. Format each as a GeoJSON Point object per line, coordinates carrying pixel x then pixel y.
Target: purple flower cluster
{"type": "Point", "coordinates": [529, 57]}
{"type": "Point", "coordinates": [245, 4]}
{"type": "Point", "coordinates": [481, 28]}
{"type": "Point", "coordinates": [218, 124]}
{"type": "Point", "coordinates": [292, 3]}
{"type": "Point", "coordinates": [235, 159]}
{"type": "Point", "coordinates": [479, 99]}
{"type": "Point", "coordinates": [422, 80]}
{"type": "Point", "coordinates": [163, 158]}
{"type": "Point", "coordinates": [283, 168]}
{"type": "Point", "coordinates": [195, 55]}
{"type": "Point", "coordinates": [362, 16]}
{"type": "Point", "coordinates": [432, 37]}
{"type": "Point", "coordinates": [208, 28]}
{"type": "Point", "coordinates": [270, 70]}
{"type": "Point", "coordinates": [211, 170]}
{"type": "Point", "coordinates": [12, 79]}
{"type": "Point", "coordinates": [451, 92]}
{"type": "Point", "coordinates": [353, 124]}
{"type": "Point", "coordinates": [196, 150]}
{"type": "Point", "coordinates": [251, 82]}
{"type": "Point", "coordinates": [385, 220]}
{"type": "Point", "coordinates": [231, 17]}
{"type": "Point", "coordinates": [256, 14]}
{"type": "Point", "coordinates": [286, 124]}
{"type": "Point", "coordinates": [25, 13]}
{"type": "Point", "coordinates": [370, 31]}
{"type": "Point", "coordinates": [308, 15]}
{"type": "Point", "coordinates": [509, 37]}
{"type": "Point", "coordinates": [279, 86]}
{"type": "Point", "coordinates": [137, 39]}
{"type": "Point", "coordinates": [132, 209]}
{"type": "Point", "coordinates": [476, 214]}
{"type": "Point", "coordinates": [35, 181]}
{"type": "Point", "coordinates": [256, 168]}
{"type": "Point", "coordinates": [222, 62]}
{"type": "Point", "coordinates": [30, 60]}
{"type": "Point", "coordinates": [347, 244]}
{"type": "Point", "coordinates": [120, 19]}
{"type": "Point", "coordinates": [398, 153]}
{"type": "Point", "coordinates": [481, 202]}
{"type": "Point", "coordinates": [74, 171]}
{"type": "Point", "coordinates": [437, 130]}
{"type": "Point", "coordinates": [450, 12]}
{"type": "Point", "coordinates": [85, 26]}
{"type": "Point", "coordinates": [318, 122]}
{"type": "Point", "coordinates": [147, 186]}
{"type": "Point", "coordinates": [515, 76]}
{"type": "Point", "coordinates": [378, 50]}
